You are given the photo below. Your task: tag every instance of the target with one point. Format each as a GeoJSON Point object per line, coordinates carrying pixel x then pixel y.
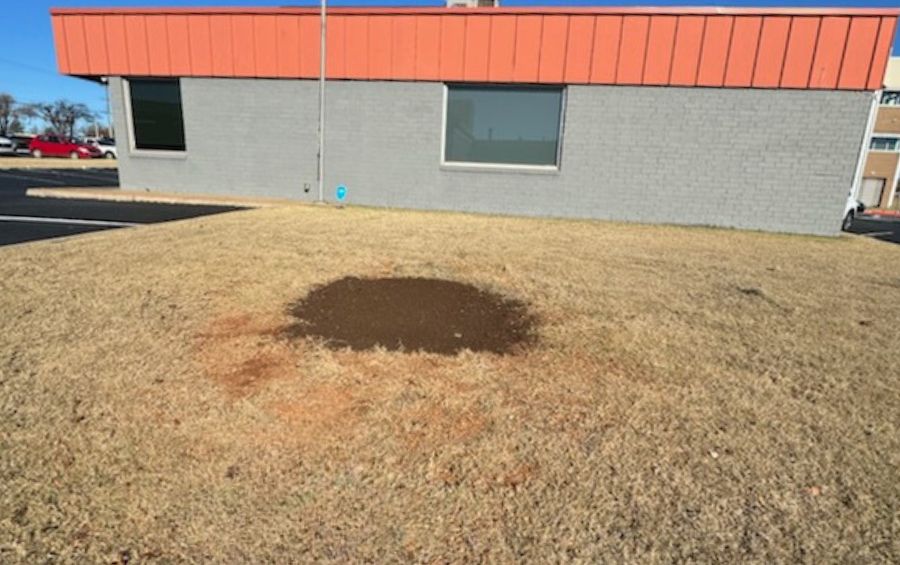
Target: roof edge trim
{"type": "Point", "coordinates": [378, 10]}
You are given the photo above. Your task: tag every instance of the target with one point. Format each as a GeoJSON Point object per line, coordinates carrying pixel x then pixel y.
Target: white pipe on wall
{"type": "Point", "coordinates": [864, 148]}
{"type": "Point", "coordinates": [893, 188]}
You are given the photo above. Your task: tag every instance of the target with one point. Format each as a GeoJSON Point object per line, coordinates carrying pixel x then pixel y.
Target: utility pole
{"type": "Point", "coordinates": [109, 120]}
{"type": "Point", "coordinates": [321, 167]}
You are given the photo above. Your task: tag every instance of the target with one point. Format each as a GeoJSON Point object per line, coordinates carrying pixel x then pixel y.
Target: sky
{"type": "Point", "coordinates": [28, 71]}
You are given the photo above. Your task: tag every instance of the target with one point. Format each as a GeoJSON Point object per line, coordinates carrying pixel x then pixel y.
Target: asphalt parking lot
{"type": "Point", "coordinates": [23, 218]}
{"type": "Point", "coordinates": [882, 229]}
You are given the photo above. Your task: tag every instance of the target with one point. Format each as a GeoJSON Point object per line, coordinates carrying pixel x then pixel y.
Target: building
{"type": "Point", "coordinates": [882, 173]}
{"type": "Point", "coordinates": [748, 118]}
{"type": "Point", "coordinates": [472, 3]}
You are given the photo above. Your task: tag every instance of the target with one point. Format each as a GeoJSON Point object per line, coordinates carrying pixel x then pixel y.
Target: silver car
{"type": "Point", "coordinates": [106, 145]}
{"type": "Point", "coordinates": [7, 147]}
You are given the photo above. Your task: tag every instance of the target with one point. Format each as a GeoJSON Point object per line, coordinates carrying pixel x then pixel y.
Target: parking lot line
{"type": "Point", "coordinates": [68, 221]}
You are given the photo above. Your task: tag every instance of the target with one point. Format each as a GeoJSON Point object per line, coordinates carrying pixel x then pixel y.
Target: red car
{"type": "Point", "coordinates": [55, 146]}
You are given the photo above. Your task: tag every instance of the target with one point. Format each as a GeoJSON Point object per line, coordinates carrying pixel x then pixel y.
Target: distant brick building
{"type": "Point", "coordinates": [750, 118]}
{"type": "Point", "coordinates": [881, 173]}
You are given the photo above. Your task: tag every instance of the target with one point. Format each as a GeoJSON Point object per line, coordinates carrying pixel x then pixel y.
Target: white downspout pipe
{"type": "Point", "coordinates": [893, 189]}
{"type": "Point", "coordinates": [864, 148]}
{"type": "Point", "coordinates": [321, 155]}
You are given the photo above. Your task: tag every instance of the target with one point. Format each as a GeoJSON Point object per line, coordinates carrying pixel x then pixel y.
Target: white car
{"type": "Point", "coordinates": [7, 147]}
{"type": "Point", "coordinates": [852, 208]}
{"type": "Point", "coordinates": [106, 145]}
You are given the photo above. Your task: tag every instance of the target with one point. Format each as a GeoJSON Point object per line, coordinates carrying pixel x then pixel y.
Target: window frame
{"type": "Point", "coordinates": [521, 167]}
{"type": "Point", "coordinates": [893, 136]}
{"type": "Point", "coordinates": [129, 119]}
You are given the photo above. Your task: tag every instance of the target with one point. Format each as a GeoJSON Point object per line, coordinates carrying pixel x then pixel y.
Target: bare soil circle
{"type": "Point", "coordinates": [412, 314]}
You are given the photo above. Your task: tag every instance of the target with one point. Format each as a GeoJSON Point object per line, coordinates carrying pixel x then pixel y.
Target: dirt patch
{"type": "Point", "coordinates": [412, 314]}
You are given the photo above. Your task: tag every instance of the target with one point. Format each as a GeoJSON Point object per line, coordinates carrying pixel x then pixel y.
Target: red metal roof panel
{"type": "Point", "coordinates": [882, 52]}
{"type": "Point", "coordinates": [714, 52]}
{"type": "Point", "coordinates": [632, 49]}
{"type": "Point", "coordinates": [579, 50]}
{"type": "Point", "coordinates": [116, 43]}
{"type": "Point", "coordinates": [742, 52]}
{"type": "Point", "coordinates": [605, 57]}
{"type": "Point", "coordinates": [477, 48]}
{"type": "Point", "coordinates": [800, 50]}
{"type": "Point", "coordinates": [502, 48]}
{"type": "Point", "coordinates": [552, 65]}
{"type": "Point", "coordinates": [731, 47]}
{"type": "Point", "coordinates": [428, 47]}
{"type": "Point", "coordinates": [528, 48]}
{"type": "Point", "coordinates": [658, 66]}
{"type": "Point", "coordinates": [860, 46]}
{"type": "Point", "coordinates": [770, 53]}
{"type": "Point", "coordinates": [686, 55]}
{"type": "Point", "coordinates": [829, 52]}
{"type": "Point", "coordinates": [288, 34]}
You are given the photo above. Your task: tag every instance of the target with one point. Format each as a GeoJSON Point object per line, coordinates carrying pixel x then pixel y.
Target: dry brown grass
{"type": "Point", "coordinates": [25, 162]}
{"type": "Point", "coordinates": [695, 395]}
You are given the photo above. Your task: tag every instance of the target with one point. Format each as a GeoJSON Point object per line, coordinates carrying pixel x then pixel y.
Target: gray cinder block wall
{"type": "Point", "coordinates": [777, 160]}
{"type": "Point", "coordinates": [243, 137]}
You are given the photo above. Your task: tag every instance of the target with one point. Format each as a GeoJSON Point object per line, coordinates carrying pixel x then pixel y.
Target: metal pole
{"type": "Point", "coordinates": [109, 127]}
{"type": "Point", "coordinates": [322, 104]}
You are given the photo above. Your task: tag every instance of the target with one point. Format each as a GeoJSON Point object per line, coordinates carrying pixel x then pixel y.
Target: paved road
{"type": "Point", "coordinates": [28, 219]}
{"type": "Point", "coordinates": [887, 229]}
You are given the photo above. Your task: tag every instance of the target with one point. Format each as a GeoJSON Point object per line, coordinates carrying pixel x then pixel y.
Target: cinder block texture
{"type": "Point", "coordinates": [777, 160]}
{"type": "Point", "coordinates": [246, 137]}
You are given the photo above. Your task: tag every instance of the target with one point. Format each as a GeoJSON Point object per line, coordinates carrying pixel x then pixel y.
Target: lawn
{"type": "Point", "coordinates": [691, 395]}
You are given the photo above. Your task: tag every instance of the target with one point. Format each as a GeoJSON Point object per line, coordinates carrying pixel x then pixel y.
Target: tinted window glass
{"type": "Point", "coordinates": [891, 98]}
{"type": "Point", "coordinates": [156, 114]}
{"type": "Point", "coordinates": [503, 124]}
{"type": "Point", "coordinates": [885, 143]}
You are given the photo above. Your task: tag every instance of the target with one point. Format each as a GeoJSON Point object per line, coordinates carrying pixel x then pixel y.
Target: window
{"type": "Point", "coordinates": [885, 144]}
{"type": "Point", "coordinates": [890, 98]}
{"type": "Point", "coordinates": [503, 125]}
{"type": "Point", "coordinates": [156, 120]}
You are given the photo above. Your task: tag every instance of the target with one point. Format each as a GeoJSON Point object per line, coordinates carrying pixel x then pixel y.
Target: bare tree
{"type": "Point", "coordinates": [7, 111]}
{"type": "Point", "coordinates": [62, 115]}
{"type": "Point", "coordinates": [12, 114]}
{"type": "Point", "coordinates": [94, 129]}
{"type": "Point", "coordinates": [21, 116]}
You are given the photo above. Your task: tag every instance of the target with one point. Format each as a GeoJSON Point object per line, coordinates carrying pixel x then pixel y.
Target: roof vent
{"type": "Point", "coordinates": [473, 3]}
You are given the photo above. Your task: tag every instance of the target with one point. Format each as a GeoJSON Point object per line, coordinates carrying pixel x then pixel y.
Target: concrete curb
{"type": "Point", "coordinates": [27, 162]}
{"type": "Point", "coordinates": [118, 195]}
{"type": "Point", "coordinates": [882, 212]}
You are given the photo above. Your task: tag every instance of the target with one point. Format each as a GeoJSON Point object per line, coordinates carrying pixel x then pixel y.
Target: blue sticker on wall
{"type": "Point", "coordinates": [341, 192]}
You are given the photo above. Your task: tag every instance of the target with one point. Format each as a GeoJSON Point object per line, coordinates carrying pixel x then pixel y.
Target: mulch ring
{"type": "Point", "coordinates": [412, 314]}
